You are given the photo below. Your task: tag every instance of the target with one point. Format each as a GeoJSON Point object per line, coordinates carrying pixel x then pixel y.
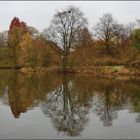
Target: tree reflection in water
{"type": "Point", "coordinates": [23, 92]}
{"type": "Point", "coordinates": [65, 109]}
{"type": "Point", "coordinates": [68, 105]}
{"type": "Point", "coordinates": [68, 99]}
{"type": "Point", "coordinates": [105, 109]}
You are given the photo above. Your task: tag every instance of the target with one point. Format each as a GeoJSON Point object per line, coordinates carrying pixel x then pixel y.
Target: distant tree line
{"type": "Point", "coordinates": [69, 42]}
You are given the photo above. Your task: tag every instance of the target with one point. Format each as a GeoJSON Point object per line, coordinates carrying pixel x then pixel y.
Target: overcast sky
{"type": "Point", "coordinates": [39, 13]}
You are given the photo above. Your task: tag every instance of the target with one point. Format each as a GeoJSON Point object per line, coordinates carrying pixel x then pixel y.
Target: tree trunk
{"type": "Point", "coordinates": [108, 51]}
{"type": "Point", "coordinates": [65, 62]}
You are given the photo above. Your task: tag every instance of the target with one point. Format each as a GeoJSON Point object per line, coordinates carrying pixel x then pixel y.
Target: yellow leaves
{"type": "Point", "coordinates": [24, 49]}
{"type": "Point", "coordinates": [27, 41]}
{"type": "Point", "coordinates": [33, 52]}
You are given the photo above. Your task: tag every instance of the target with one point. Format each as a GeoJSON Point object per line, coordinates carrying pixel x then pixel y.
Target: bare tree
{"type": "Point", "coordinates": [104, 31]}
{"type": "Point", "coordinates": [63, 29]}
{"type": "Point", "coordinates": [121, 35]}
{"type": "Point", "coordinates": [84, 37]}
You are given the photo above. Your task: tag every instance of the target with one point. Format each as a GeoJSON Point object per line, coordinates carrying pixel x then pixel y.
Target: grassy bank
{"type": "Point", "coordinates": [109, 71]}
{"type": "Point", "coordinates": [40, 70]}
{"type": "Point", "coordinates": [99, 71]}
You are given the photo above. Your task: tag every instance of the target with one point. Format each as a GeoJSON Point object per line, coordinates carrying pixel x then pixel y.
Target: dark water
{"type": "Point", "coordinates": [56, 106]}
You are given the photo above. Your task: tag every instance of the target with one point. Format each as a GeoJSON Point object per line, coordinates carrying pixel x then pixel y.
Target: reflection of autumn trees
{"type": "Point", "coordinates": [105, 108]}
{"type": "Point", "coordinates": [107, 104]}
{"type": "Point", "coordinates": [134, 93]}
{"type": "Point", "coordinates": [69, 104]}
{"type": "Point", "coordinates": [108, 96]}
{"type": "Point", "coordinates": [65, 108]}
{"type": "Point", "coordinates": [67, 100]}
{"type": "Point", "coordinates": [24, 92]}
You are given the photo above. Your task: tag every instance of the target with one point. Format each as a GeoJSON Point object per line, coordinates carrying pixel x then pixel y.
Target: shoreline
{"type": "Point", "coordinates": [108, 70]}
{"type": "Point", "coordinates": [97, 71]}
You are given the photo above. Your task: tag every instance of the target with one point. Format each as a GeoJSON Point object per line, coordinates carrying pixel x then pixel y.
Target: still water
{"type": "Point", "coordinates": [55, 106]}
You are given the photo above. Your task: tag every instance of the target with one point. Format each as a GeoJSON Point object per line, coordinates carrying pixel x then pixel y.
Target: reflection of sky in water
{"type": "Point", "coordinates": [34, 124]}
{"type": "Point", "coordinates": [98, 108]}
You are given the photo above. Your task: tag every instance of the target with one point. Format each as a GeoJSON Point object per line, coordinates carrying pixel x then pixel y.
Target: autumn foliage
{"type": "Point", "coordinates": [16, 23]}
{"type": "Point", "coordinates": [110, 43]}
{"type": "Point", "coordinates": [17, 29]}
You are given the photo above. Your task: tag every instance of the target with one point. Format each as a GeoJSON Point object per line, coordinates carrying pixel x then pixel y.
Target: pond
{"type": "Point", "coordinates": [52, 106]}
